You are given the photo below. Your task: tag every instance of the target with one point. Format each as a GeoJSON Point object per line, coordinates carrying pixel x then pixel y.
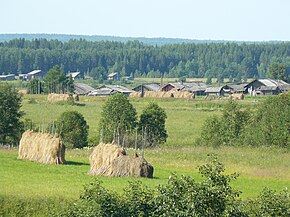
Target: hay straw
{"type": "Point", "coordinates": [76, 98]}
{"type": "Point", "coordinates": [41, 147]}
{"type": "Point", "coordinates": [157, 94]}
{"type": "Point", "coordinates": [111, 160]}
{"type": "Point", "coordinates": [183, 94]}
{"type": "Point", "coordinates": [53, 97]}
{"type": "Point", "coordinates": [236, 96]}
{"type": "Point", "coordinates": [135, 95]}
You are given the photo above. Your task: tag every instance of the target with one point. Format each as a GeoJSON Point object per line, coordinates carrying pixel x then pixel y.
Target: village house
{"type": "Point", "coordinates": [108, 90]}
{"type": "Point", "coordinates": [82, 89]}
{"type": "Point", "coordinates": [266, 86]}
{"type": "Point", "coordinates": [33, 74]}
{"type": "Point", "coordinates": [214, 91]}
{"type": "Point", "coordinates": [74, 75]}
{"type": "Point", "coordinates": [198, 88]}
{"type": "Point", "coordinates": [115, 76]}
{"type": "Point", "coordinates": [9, 77]}
{"type": "Point", "coordinates": [147, 87]}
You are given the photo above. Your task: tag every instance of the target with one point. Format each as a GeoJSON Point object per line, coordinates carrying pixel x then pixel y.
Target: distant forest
{"type": "Point", "coordinates": [133, 58]}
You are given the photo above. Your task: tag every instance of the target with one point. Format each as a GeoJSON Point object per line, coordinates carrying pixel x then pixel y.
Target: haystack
{"type": "Point", "coordinates": [111, 160]}
{"type": "Point", "coordinates": [41, 147]}
{"type": "Point", "coordinates": [183, 94]}
{"type": "Point", "coordinates": [76, 98]}
{"type": "Point", "coordinates": [135, 95]}
{"type": "Point", "coordinates": [157, 94]}
{"type": "Point", "coordinates": [53, 97]}
{"type": "Point", "coordinates": [237, 96]}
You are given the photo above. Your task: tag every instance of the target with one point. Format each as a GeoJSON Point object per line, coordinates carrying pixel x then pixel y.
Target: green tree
{"type": "Point", "coordinates": [55, 80]}
{"type": "Point", "coordinates": [277, 71]}
{"type": "Point", "coordinates": [35, 86]}
{"type": "Point", "coordinates": [152, 122]}
{"type": "Point", "coordinates": [70, 85]}
{"type": "Point", "coordinates": [11, 126]}
{"type": "Point", "coordinates": [118, 118]}
{"type": "Point", "coordinates": [73, 129]}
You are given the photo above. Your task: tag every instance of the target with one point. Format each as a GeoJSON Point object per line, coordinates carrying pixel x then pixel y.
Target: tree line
{"type": "Point", "coordinates": [133, 58]}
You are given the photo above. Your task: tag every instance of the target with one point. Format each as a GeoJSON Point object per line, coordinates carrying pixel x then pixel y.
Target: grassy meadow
{"type": "Point", "coordinates": [56, 184]}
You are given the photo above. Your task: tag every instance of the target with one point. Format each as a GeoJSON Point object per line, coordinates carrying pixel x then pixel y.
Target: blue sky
{"type": "Point", "coordinates": [243, 20]}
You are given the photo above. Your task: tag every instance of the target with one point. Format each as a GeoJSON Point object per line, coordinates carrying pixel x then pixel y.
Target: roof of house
{"type": "Point", "coordinates": [270, 82]}
{"type": "Point", "coordinates": [194, 86]}
{"type": "Point", "coordinates": [113, 74]}
{"type": "Point", "coordinates": [237, 87]}
{"type": "Point", "coordinates": [82, 89]}
{"type": "Point", "coordinates": [118, 88]}
{"type": "Point", "coordinates": [213, 89]}
{"type": "Point", "coordinates": [34, 72]}
{"type": "Point", "coordinates": [7, 76]}
{"type": "Point", "coordinates": [151, 86]}
{"type": "Point", "coordinates": [103, 91]}
{"type": "Point", "coordinates": [73, 74]}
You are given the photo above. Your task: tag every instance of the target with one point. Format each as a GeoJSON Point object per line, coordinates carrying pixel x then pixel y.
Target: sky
{"type": "Point", "coordinates": [237, 20]}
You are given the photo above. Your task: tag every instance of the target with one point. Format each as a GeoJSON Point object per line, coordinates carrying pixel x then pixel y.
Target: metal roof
{"type": "Point", "coordinates": [82, 89]}
{"type": "Point", "coordinates": [213, 89]}
{"type": "Point", "coordinates": [34, 72]}
{"type": "Point", "coordinates": [150, 86]}
{"type": "Point", "coordinates": [118, 88]}
{"type": "Point", "coordinates": [73, 74]}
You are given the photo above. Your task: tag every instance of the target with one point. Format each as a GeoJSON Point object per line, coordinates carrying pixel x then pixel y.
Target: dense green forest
{"type": "Point", "coordinates": [133, 58]}
{"type": "Point", "coordinates": [66, 38]}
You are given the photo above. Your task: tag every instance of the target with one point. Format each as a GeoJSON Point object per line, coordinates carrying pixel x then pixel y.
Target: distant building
{"type": "Point", "coordinates": [198, 88]}
{"type": "Point", "coordinates": [108, 90]}
{"type": "Point", "coordinates": [83, 89]}
{"type": "Point", "coordinates": [114, 76]}
{"type": "Point", "coordinates": [74, 75]}
{"type": "Point", "coordinates": [33, 74]}
{"type": "Point", "coordinates": [266, 86]}
{"type": "Point", "coordinates": [215, 91]}
{"type": "Point", "coordinates": [147, 87]}
{"type": "Point", "coordinates": [9, 77]}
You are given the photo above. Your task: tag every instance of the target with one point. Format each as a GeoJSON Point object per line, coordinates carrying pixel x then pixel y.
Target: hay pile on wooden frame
{"type": "Point", "coordinates": [157, 94]}
{"type": "Point", "coordinates": [54, 97]}
{"type": "Point", "coordinates": [41, 147]}
{"type": "Point", "coordinates": [111, 160]}
{"type": "Point", "coordinates": [135, 95]}
{"type": "Point", "coordinates": [183, 94]}
{"type": "Point", "coordinates": [236, 96]}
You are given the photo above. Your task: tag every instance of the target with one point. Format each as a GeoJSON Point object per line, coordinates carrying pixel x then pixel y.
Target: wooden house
{"type": "Point", "coordinates": [108, 90]}
{"type": "Point", "coordinates": [147, 87]}
{"type": "Point", "coordinates": [9, 77]}
{"type": "Point", "coordinates": [266, 86]}
{"type": "Point", "coordinates": [215, 91]}
{"type": "Point", "coordinates": [74, 75]}
{"type": "Point", "coordinates": [83, 89]}
{"type": "Point", "coordinates": [115, 76]}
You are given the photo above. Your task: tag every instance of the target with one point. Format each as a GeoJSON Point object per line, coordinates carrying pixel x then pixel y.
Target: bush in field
{"type": "Point", "coordinates": [270, 124]}
{"type": "Point", "coordinates": [269, 203]}
{"type": "Point", "coordinates": [152, 120]}
{"type": "Point", "coordinates": [73, 129]}
{"type": "Point", "coordinates": [181, 196]}
{"type": "Point", "coordinates": [225, 130]}
{"type": "Point", "coordinates": [11, 126]}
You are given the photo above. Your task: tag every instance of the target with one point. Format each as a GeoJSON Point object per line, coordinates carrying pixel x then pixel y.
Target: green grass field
{"type": "Point", "coordinates": [34, 182]}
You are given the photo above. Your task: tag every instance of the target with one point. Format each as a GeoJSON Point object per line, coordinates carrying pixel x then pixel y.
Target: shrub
{"type": "Point", "coordinates": [73, 129]}
{"type": "Point", "coordinates": [227, 129]}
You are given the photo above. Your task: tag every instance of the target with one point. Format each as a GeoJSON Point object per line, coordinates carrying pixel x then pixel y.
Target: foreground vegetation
{"type": "Point", "coordinates": [36, 189]}
{"type": "Point", "coordinates": [30, 184]}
